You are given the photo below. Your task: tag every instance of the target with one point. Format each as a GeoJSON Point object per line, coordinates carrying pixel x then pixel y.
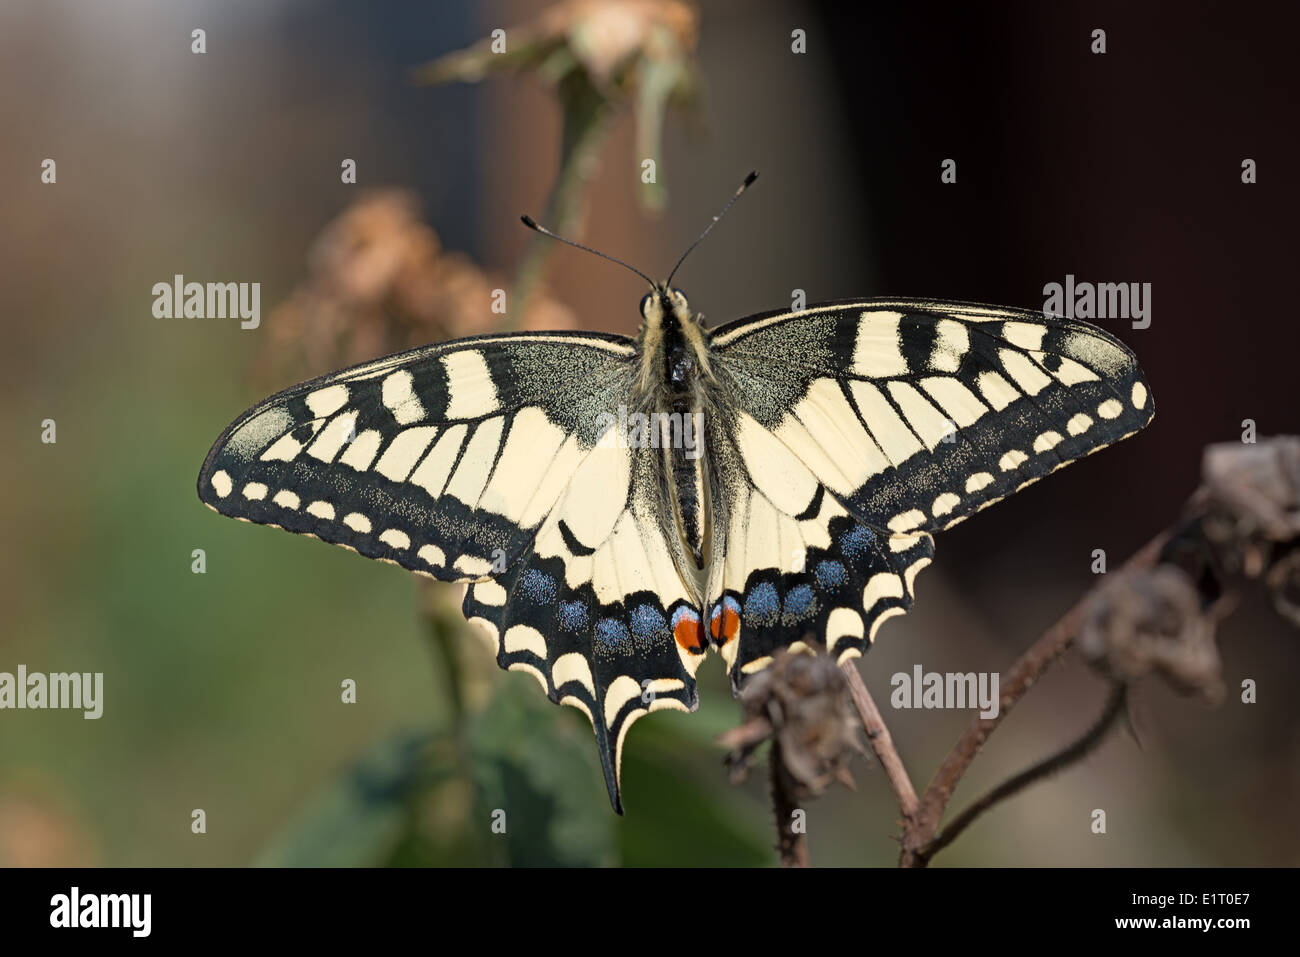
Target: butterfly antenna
{"type": "Point", "coordinates": [753, 175]}
{"type": "Point", "coordinates": [532, 224]}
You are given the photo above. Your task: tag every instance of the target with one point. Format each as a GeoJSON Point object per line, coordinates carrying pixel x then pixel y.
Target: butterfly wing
{"type": "Point", "coordinates": [595, 609]}
{"type": "Point", "coordinates": [444, 460]}
{"type": "Point", "coordinates": [481, 461]}
{"type": "Point", "coordinates": [858, 429]}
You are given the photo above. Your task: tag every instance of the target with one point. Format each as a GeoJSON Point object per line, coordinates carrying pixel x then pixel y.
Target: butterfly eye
{"type": "Point", "coordinates": [677, 293]}
{"type": "Point", "coordinates": [645, 304]}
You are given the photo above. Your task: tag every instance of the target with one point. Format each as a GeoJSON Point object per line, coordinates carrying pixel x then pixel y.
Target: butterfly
{"type": "Point", "coordinates": [618, 506]}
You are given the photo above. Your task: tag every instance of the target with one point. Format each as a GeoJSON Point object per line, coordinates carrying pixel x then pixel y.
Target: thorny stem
{"type": "Point", "coordinates": [882, 743]}
{"type": "Point", "coordinates": [792, 845]}
{"type": "Point", "coordinates": [1050, 765]}
{"type": "Point", "coordinates": [919, 831]}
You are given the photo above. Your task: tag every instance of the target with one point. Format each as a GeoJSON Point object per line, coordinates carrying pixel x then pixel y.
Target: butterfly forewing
{"type": "Point", "coordinates": [444, 460]}
{"type": "Point", "coordinates": [908, 417]}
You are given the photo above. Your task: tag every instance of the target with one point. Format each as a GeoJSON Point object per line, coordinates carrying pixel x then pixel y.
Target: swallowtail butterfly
{"type": "Point", "coordinates": [781, 485]}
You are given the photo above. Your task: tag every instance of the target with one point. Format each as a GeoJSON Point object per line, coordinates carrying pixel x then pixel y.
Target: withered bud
{"type": "Point", "coordinates": [1152, 621]}
{"type": "Point", "coordinates": [379, 281]}
{"type": "Point", "coordinates": [1251, 501]}
{"type": "Point", "coordinates": [801, 700]}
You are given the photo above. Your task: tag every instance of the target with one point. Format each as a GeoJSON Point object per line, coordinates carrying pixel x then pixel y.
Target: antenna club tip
{"type": "Point", "coordinates": [753, 175]}
{"type": "Point", "coordinates": [528, 221]}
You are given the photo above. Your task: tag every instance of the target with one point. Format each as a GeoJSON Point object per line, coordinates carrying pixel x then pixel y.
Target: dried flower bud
{"type": "Point", "coordinates": [1152, 621]}
{"type": "Point", "coordinates": [802, 701]}
{"type": "Point", "coordinates": [607, 39]}
{"type": "Point", "coordinates": [597, 54]}
{"type": "Point", "coordinates": [1251, 501]}
{"type": "Point", "coordinates": [379, 282]}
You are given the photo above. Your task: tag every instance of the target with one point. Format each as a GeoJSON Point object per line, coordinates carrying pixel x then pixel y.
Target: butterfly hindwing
{"type": "Point", "coordinates": [800, 568]}
{"type": "Point", "coordinates": [909, 417]}
{"type": "Point", "coordinates": [595, 609]}
{"type": "Point", "coordinates": [444, 460]}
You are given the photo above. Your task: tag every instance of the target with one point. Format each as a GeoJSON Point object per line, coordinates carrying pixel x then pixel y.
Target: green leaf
{"type": "Point", "coordinates": [361, 816]}
{"type": "Point", "coordinates": [680, 810]}
{"type": "Point", "coordinates": [539, 779]}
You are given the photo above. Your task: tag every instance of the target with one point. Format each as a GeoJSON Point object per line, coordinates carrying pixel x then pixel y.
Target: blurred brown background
{"type": "Point", "coordinates": [221, 689]}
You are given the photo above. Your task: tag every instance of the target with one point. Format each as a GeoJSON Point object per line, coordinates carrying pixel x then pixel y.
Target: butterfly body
{"type": "Point", "coordinates": [781, 491]}
{"type": "Point", "coordinates": [675, 379]}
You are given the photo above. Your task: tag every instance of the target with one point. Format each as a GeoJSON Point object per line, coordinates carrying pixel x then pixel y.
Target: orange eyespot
{"type": "Point", "coordinates": [724, 623]}
{"type": "Point", "coordinates": [687, 629]}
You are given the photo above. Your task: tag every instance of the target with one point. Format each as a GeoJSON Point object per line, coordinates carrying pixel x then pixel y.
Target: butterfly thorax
{"type": "Point", "coordinates": [673, 380]}
{"type": "Point", "coordinates": [673, 347]}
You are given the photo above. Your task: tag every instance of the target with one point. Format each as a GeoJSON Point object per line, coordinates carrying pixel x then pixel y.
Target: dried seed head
{"type": "Point", "coordinates": [379, 282]}
{"type": "Point", "coordinates": [802, 701]}
{"type": "Point", "coordinates": [1152, 621]}
{"type": "Point", "coordinates": [1251, 501]}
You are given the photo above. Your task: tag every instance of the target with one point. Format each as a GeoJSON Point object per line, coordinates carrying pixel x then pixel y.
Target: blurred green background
{"type": "Point", "coordinates": [222, 690]}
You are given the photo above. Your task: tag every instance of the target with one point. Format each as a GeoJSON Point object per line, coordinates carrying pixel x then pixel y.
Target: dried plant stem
{"type": "Point", "coordinates": [919, 830]}
{"type": "Point", "coordinates": [792, 845]}
{"type": "Point", "coordinates": [586, 121]}
{"type": "Point", "coordinates": [882, 743]}
{"type": "Point", "coordinates": [443, 641]}
{"type": "Point", "coordinates": [1048, 766]}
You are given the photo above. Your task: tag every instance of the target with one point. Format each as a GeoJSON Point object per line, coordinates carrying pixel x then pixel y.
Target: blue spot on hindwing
{"type": "Point", "coordinates": [611, 632]}
{"type": "Point", "coordinates": [646, 621]}
{"type": "Point", "coordinates": [762, 604]}
{"type": "Point", "coordinates": [799, 603]}
{"type": "Point", "coordinates": [538, 586]}
{"type": "Point", "coordinates": [857, 541]}
{"type": "Point", "coordinates": [831, 574]}
{"type": "Point", "coordinates": [572, 616]}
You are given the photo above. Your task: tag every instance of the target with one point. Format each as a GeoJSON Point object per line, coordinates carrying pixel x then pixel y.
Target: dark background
{"type": "Point", "coordinates": [222, 689]}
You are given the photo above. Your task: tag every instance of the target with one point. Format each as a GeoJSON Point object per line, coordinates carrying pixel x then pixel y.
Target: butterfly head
{"type": "Point", "coordinates": [665, 301]}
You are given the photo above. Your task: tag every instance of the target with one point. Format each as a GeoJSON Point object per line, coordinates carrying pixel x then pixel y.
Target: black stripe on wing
{"type": "Point", "coordinates": [917, 414]}
{"type": "Point", "coordinates": [444, 460]}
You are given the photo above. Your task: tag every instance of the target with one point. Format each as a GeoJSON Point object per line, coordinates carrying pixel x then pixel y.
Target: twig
{"type": "Point", "coordinates": [1050, 765]}
{"type": "Point", "coordinates": [792, 845]}
{"type": "Point", "coordinates": [586, 120]}
{"type": "Point", "coordinates": [882, 743]}
{"type": "Point", "coordinates": [920, 830]}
